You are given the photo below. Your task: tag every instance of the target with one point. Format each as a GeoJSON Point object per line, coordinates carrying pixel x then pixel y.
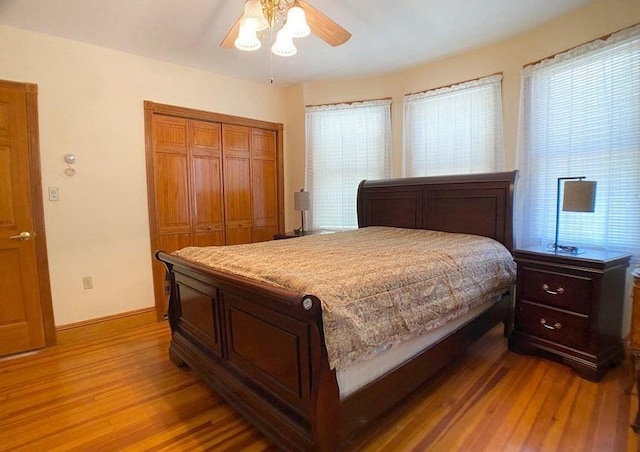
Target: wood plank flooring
{"type": "Point", "coordinates": [122, 393]}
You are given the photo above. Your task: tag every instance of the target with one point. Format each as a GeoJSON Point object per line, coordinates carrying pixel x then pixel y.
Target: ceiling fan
{"type": "Point", "coordinates": [296, 19]}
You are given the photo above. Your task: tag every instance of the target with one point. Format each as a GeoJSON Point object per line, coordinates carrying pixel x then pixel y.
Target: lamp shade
{"type": "Point", "coordinates": [284, 43]}
{"type": "Point", "coordinates": [253, 12]}
{"type": "Point", "coordinates": [301, 200]}
{"type": "Point", "coordinates": [297, 22]}
{"type": "Point", "coordinates": [247, 38]}
{"type": "Point", "coordinates": [579, 196]}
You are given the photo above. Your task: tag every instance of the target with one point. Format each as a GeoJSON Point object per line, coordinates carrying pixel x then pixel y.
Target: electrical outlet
{"type": "Point", "coordinates": [87, 282]}
{"type": "Point", "coordinates": [54, 194]}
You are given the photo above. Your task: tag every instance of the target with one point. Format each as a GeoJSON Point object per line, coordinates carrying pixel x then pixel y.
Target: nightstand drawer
{"type": "Point", "coordinates": [563, 291]}
{"type": "Point", "coordinates": [557, 326]}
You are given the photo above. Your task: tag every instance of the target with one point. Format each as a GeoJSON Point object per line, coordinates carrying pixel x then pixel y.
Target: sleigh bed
{"type": "Point", "coordinates": [263, 346]}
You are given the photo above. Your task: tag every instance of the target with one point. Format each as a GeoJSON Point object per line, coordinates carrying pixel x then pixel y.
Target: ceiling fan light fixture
{"type": "Point", "coordinates": [284, 43]}
{"type": "Point", "coordinates": [253, 12]}
{"type": "Point", "coordinates": [297, 22]}
{"type": "Point", "coordinates": [247, 38]}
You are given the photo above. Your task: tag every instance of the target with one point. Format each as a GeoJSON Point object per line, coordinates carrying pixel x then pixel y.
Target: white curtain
{"type": "Point", "coordinates": [454, 130]}
{"type": "Point", "coordinates": [580, 116]}
{"type": "Point", "coordinates": [345, 144]}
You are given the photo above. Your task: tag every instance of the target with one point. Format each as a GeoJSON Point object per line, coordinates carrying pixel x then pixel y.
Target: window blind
{"type": "Point", "coordinates": [580, 116]}
{"type": "Point", "coordinates": [454, 130]}
{"type": "Point", "coordinates": [345, 144]}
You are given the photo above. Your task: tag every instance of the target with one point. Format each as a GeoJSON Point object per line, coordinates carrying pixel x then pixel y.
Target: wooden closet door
{"type": "Point", "coordinates": [212, 179]}
{"type": "Point", "coordinates": [237, 183]}
{"type": "Point", "coordinates": [206, 184]}
{"type": "Point", "coordinates": [171, 189]}
{"type": "Point", "coordinates": [171, 176]}
{"type": "Point", "coordinates": [264, 185]}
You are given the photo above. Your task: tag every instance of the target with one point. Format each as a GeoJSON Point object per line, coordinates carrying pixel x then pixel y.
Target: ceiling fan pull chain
{"type": "Point", "coordinates": [271, 62]}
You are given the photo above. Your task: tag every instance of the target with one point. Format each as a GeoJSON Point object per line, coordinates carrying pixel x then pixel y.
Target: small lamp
{"type": "Point", "coordinates": [301, 202]}
{"type": "Point", "coordinates": [579, 196]}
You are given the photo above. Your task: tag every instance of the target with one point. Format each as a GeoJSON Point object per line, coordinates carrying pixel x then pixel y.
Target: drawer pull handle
{"type": "Point", "coordinates": [555, 326]}
{"type": "Point", "coordinates": [558, 291]}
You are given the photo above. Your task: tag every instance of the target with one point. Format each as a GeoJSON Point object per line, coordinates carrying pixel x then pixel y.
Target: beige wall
{"type": "Point", "coordinates": [91, 104]}
{"type": "Point", "coordinates": [597, 19]}
{"type": "Point", "coordinates": [593, 21]}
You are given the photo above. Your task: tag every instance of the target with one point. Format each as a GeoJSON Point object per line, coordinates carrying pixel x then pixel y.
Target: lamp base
{"type": "Point", "coordinates": [565, 249]}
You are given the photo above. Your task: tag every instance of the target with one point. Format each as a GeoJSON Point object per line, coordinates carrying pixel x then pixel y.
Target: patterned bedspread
{"type": "Point", "coordinates": [378, 285]}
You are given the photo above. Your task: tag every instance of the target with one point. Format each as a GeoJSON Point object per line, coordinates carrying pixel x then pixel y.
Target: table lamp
{"type": "Point", "coordinates": [579, 196]}
{"type": "Point", "coordinates": [301, 202]}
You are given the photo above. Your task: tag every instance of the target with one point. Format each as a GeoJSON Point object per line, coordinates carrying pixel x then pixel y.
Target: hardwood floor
{"type": "Point", "coordinates": [122, 393]}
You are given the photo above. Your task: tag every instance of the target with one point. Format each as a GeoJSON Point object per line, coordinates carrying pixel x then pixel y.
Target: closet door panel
{"type": "Point", "coordinates": [264, 184]}
{"type": "Point", "coordinates": [171, 175]}
{"type": "Point", "coordinates": [206, 175]}
{"type": "Point", "coordinates": [169, 134]}
{"type": "Point", "coordinates": [171, 196]}
{"type": "Point", "coordinates": [237, 203]}
{"type": "Point", "coordinates": [172, 182]}
{"type": "Point", "coordinates": [235, 139]}
{"type": "Point", "coordinates": [264, 197]}
{"type": "Point", "coordinates": [237, 184]}
{"type": "Point", "coordinates": [239, 236]}
{"type": "Point", "coordinates": [263, 144]}
{"type": "Point", "coordinates": [205, 137]}
{"type": "Point", "coordinates": [172, 242]}
{"type": "Point", "coordinates": [208, 216]}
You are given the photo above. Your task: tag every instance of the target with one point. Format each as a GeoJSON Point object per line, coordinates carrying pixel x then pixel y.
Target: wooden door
{"type": "Point", "coordinates": [205, 155]}
{"type": "Point", "coordinates": [21, 318]}
{"type": "Point", "coordinates": [237, 183]}
{"type": "Point", "coordinates": [171, 190]}
{"type": "Point", "coordinates": [187, 188]}
{"type": "Point", "coordinates": [264, 185]}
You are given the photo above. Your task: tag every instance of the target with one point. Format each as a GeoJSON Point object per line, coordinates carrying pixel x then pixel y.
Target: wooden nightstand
{"type": "Point", "coordinates": [294, 234]}
{"type": "Point", "coordinates": [569, 307]}
{"type": "Point", "coordinates": [632, 344]}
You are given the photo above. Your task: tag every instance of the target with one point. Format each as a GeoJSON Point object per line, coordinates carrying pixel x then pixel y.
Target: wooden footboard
{"type": "Point", "coordinates": [259, 347]}
{"type": "Point", "coordinates": [262, 349]}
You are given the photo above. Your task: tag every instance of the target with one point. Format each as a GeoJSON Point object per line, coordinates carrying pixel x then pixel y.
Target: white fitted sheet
{"type": "Point", "coordinates": [358, 375]}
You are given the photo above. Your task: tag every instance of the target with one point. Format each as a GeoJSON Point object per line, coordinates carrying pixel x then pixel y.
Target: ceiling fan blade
{"type": "Point", "coordinates": [323, 27]}
{"type": "Point", "coordinates": [231, 36]}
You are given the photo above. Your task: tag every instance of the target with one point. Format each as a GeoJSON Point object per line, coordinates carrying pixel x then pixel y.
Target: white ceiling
{"type": "Point", "coordinates": [388, 35]}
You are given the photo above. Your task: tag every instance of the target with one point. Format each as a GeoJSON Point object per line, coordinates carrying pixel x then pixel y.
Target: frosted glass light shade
{"type": "Point", "coordinates": [297, 22]}
{"type": "Point", "coordinates": [253, 13]}
{"type": "Point", "coordinates": [247, 38]}
{"type": "Point", "coordinates": [284, 43]}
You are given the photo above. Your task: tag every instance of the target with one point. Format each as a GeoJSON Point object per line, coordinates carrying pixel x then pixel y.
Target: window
{"type": "Point", "coordinates": [581, 117]}
{"type": "Point", "coordinates": [454, 130]}
{"type": "Point", "coordinates": [345, 144]}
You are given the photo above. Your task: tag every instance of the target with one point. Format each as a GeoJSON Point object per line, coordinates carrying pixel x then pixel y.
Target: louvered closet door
{"type": "Point", "coordinates": [237, 183]}
{"type": "Point", "coordinates": [264, 186]}
{"type": "Point", "coordinates": [206, 183]}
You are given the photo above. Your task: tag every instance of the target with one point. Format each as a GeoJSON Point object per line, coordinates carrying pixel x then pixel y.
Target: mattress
{"type": "Point", "coordinates": [360, 374]}
{"type": "Point", "coordinates": [378, 286]}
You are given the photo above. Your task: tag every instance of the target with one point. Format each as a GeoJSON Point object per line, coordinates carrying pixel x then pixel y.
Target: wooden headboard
{"type": "Point", "coordinates": [480, 204]}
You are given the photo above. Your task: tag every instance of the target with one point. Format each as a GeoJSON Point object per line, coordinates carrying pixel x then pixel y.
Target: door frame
{"type": "Point", "coordinates": [37, 206]}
